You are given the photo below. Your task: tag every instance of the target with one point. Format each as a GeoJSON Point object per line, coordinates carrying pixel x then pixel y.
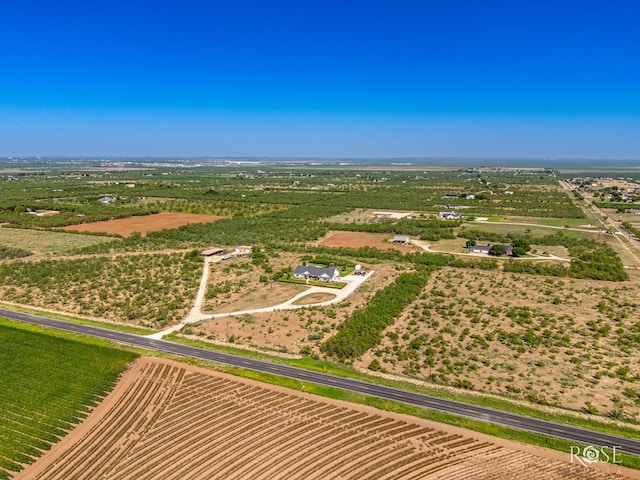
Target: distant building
{"type": "Point", "coordinates": [450, 215]}
{"type": "Point", "coordinates": [508, 249]}
{"type": "Point", "coordinates": [212, 251]}
{"type": "Point", "coordinates": [242, 250]}
{"type": "Point", "coordinates": [401, 239]}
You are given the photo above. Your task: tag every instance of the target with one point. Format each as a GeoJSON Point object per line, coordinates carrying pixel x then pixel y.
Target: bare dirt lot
{"type": "Point", "coordinates": [567, 342]}
{"type": "Point", "coordinates": [143, 224]}
{"type": "Point", "coordinates": [167, 420]}
{"type": "Point", "coordinates": [380, 241]}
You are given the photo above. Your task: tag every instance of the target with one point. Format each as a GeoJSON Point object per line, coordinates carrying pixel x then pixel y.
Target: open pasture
{"type": "Point", "coordinates": [45, 242]}
{"type": "Point", "coordinates": [168, 421]}
{"type": "Point", "coordinates": [48, 385]}
{"type": "Point", "coordinates": [143, 223]}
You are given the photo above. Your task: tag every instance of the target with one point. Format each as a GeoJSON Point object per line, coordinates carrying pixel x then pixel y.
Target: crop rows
{"type": "Point", "coordinates": [52, 384]}
{"type": "Point", "coordinates": [173, 423]}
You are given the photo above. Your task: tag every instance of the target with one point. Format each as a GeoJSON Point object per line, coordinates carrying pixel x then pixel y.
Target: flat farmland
{"type": "Point", "coordinates": [143, 224]}
{"type": "Point", "coordinates": [166, 420]}
{"type": "Point", "coordinates": [47, 243]}
{"type": "Point", "coordinates": [381, 241]}
{"type": "Point", "coordinates": [48, 384]}
{"type": "Point", "coordinates": [566, 342]}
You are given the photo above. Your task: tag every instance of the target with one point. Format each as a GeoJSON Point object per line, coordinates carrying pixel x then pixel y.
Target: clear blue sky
{"type": "Point", "coordinates": [321, 78]}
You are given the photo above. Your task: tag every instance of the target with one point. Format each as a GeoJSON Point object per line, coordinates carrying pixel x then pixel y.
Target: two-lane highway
{"type": "Point", "coordinates": [512, 420]}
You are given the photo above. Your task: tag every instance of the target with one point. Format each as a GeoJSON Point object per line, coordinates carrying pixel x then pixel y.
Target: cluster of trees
{"type": "Point", "coordinates": [10, 252]}
{"type": "Point", "coordinates": [590, 259]}
{"type": "Point", "coordinates": [631, 229]}
{"type": "Point", "coordinates": [363, 330]}
{"type": "Point", "coordinates": [427, 229]}
{"type": "Point", "coordinates": [69, 214]}
{"type": "Point", "coordinates": [139, 288]}
{"type": "Point", "coordinates": [597, 261]}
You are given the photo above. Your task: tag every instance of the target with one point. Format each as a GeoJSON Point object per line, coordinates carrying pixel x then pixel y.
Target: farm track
{"type": "Point", "coordinates": [174, 422]}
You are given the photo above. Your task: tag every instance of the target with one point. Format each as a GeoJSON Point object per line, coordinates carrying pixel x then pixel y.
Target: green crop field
{"type": "Point", "coordinates": [48, 385]}
{"type": "Point", "coordinates": [50, 243]}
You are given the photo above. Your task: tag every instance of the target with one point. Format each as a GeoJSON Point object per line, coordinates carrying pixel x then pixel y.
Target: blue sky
{"type": "Point", "coordinates": [323, 78]}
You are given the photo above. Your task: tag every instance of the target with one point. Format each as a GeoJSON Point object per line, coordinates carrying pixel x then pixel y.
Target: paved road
{"type": "Point", "coordinates": [457, 408]}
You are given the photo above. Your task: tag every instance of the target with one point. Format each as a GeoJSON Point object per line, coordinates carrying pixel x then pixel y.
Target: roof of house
{"type": "Point", "coordinates": [401, 238]}
{"type": "Point", "coordinates": [315, 271]}
{"type": "Point", "coordinates": [485, 248]}
{"type": "Point", "coordinates": [212, 251]}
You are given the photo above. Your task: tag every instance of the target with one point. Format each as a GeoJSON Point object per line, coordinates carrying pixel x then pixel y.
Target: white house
{"type": "Point", "coordinates": [316, 273]}
{"type": "Point", "coordinates": [450, 215]}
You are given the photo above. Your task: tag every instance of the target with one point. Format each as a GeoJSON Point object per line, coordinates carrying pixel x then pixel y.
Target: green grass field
{"type": "Point", "coordinates": [533, 230]}
{"type": "Point", "coordinates": [49, 383]}
{"type": "Point", "coordinates": [47, 243]}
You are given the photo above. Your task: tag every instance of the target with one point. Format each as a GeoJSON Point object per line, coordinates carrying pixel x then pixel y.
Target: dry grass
{"type": "Point", "coordinates": [565, 342]}
{"type": "Point", "coordinates": [314, 298]}
{"type": "Point", "coordinates": [47, 243]}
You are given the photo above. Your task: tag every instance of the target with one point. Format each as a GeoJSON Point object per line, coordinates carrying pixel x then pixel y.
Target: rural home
{"type": "Point", "coordinates": [316, 273]}
{"type": "Point", "coordinates": [450, 215]}
{"type": "Point", "coordinates": [242, 250]}
{"type": "Point", "coordinates": [485, 249]}
{"type": "Point", "coordinates": [401, 239]}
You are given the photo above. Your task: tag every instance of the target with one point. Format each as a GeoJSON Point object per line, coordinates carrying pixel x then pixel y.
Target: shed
{"type": "Point", "coordinates": [212, 251]}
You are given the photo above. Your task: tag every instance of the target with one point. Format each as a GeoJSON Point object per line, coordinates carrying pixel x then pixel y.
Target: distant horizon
{"type": "Point", "coordinates": [499, 161]}
{"type": "Point", "coordinates": [354, 79]}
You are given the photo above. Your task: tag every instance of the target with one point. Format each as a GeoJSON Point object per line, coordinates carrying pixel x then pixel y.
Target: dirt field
{"type": "Point", "coordinates": [566, 342]}
{"type": "Point", "coordinates": [166, 420]}
{"type": "Point", "coordinates": [143, 224]}
{"type": "Point", "coordinates": [381, 241]}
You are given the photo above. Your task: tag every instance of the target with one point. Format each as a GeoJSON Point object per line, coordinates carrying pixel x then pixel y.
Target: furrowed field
{"type": "Point", "coordinates": [170, 421]}
{"type": "Point", "coordinates": [49, 384]}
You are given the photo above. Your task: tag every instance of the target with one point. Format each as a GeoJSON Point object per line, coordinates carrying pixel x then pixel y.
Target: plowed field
{"type": "Point", "coordinates": [381, 241]}
{"type": "Point", "coordinates": [168, 421]}
{"type": "Point", "coordinates": [143, 224]}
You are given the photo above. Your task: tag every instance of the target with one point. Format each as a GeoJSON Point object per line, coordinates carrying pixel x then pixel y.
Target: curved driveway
{"type": "Point", "coordinates": [352, 283]}
{"type": "Point", "coordinates": [489, 415]}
